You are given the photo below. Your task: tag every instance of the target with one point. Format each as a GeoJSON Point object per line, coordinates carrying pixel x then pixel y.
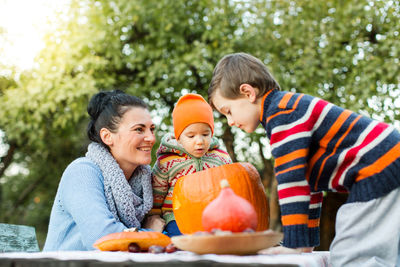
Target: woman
{"type": "Point", "coordinates": [109, 189]}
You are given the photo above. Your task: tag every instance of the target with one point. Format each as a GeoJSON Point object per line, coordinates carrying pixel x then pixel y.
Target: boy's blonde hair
{"type": "Point", "coordinates": [236, 69]}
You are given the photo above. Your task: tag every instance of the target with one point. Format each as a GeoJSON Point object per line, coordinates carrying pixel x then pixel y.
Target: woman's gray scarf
{"type": "Point", "coordinates": [128, 201]}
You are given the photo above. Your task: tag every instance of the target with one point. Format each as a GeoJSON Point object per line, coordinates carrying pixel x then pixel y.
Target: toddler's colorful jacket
{"type": "Point", "coordinates": [174, 162]}
{"type": "Point", "coordinates": [318, 147]}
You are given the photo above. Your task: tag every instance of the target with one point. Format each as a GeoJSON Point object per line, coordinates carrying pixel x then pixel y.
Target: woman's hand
{"type": "Point", "coordinates": [285, 250]}
{"type": "Point", "coordinates": [155, 223]}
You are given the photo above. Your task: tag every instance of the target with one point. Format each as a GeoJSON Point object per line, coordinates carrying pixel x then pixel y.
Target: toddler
{"type": "Point", "coordinates": [190, 149]}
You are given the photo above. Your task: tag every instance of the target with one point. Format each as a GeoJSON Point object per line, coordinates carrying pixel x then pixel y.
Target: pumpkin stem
{"type": "Point", "coordinates": [133, 229]}
{"type": "Point", "coordinates": [224, 183]}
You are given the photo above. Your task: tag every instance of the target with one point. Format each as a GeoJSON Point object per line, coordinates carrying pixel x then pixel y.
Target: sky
{"type": "Point", "coordinates": [25, 22]}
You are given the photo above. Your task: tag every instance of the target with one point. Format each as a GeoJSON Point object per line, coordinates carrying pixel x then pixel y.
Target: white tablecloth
{"type": "Point", "coordinates": [315, 259]}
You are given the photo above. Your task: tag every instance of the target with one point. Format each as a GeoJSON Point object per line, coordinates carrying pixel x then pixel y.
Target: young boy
{"type": "Point", "coordinates": [317, 147]}
{"type": "Point", "coordinates": [192, 148]}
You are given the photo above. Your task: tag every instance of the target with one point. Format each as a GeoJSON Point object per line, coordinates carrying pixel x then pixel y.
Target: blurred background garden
{"type": "Point", "coordinates": [55, 54]}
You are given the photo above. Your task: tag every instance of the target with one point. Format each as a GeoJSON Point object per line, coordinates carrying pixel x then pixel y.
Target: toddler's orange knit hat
{"type": "Point", "coordinates": [191, 108]}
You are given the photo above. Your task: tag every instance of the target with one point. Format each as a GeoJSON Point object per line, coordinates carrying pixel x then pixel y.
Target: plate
{"type": "Point", "coordinates": [234, 243]}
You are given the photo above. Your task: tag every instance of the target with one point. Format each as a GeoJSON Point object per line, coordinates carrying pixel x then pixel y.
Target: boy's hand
{"type": "Point", "coordinates": [284, 250]}
{"type": "Point", "coordinates": [155, 223]}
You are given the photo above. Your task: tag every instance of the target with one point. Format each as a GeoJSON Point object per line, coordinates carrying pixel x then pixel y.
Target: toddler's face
{"type": "Point", "coordinates": [240, 112]}
{"type": "Point", "coordinates": [196, 139]}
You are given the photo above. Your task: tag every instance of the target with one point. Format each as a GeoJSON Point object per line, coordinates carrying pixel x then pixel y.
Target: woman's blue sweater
{"type": "Point", "coordinates": [80, 213]}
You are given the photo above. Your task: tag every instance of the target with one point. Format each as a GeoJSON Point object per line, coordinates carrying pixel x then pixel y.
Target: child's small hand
{"type": "Point", "coordinates": [154, 222]}
{"type": "Point", "coordinates": [284, 250]}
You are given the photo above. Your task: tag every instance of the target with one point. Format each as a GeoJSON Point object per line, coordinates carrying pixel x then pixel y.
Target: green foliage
{"type": "Point", "coordinates": [344, 51]}
{"type": "Point", "coordinates": [5, 83]}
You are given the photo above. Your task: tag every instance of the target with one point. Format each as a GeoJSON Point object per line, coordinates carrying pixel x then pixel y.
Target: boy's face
{"type": "Point", "coordinates": [196, 139]}
{"type": "Point", "coordinates": [243, 112]}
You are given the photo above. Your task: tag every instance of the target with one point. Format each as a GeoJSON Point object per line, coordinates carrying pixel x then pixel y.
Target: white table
{"type": "Point", "coordinates": [180, 258]}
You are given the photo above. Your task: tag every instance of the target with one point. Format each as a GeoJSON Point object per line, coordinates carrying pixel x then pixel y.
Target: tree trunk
{"type": "Point", "coordinates": [23, 197]}
{"type": "Point", "coordinates": [330, 205]}
{"type": "Point", "coordinates": [228, 140]}
{"type": "Point", "coordinates": [270, 183]}
{"type": "Point", "coordinates": [4, 163]}
{"type": "Point", "coordinates": [274, 209]}
{"type": "Point", "coordinates": [7, 159]}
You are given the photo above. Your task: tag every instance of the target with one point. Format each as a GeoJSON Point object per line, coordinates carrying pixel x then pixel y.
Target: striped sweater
{"type": "Point", "coordinates": [174, 162]}
{"type": "Point", "coordinates": [318, 147]}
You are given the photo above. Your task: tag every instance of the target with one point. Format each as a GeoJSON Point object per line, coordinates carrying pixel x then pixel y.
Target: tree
{"type": "Point", "coordinates": [156, 50]}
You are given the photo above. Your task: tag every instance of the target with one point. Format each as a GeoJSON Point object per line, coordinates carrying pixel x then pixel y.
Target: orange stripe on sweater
{"type": "Point", "coordinates": [323, 143]}
{"type": "Point", "coordinates": [169, 158]}
{"type": "Point", "coordinates": [335, 148]}
{"type": "Point", "coordinates": [286, 111]}
{"type": "Point", "coordinates": [380, 164]}
{"type": "Point", "coordinates": [262, 104]}
{"type": "Point", "coordinates": [291, 156]}
{"type": "Point", "coordinates": [313, 223]}
{"type": "Point", "coordinates": [155, 212]}
{"type": "Point", "coordinates": [291, 169]}
{"type": "Point", "coordinates": [294, 219]}
{"type": "Point", "coordinates": [285, 99]}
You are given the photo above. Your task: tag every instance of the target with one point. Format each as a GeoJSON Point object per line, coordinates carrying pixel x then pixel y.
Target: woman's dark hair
{"type": "Point", "coordinates": [106, 110]}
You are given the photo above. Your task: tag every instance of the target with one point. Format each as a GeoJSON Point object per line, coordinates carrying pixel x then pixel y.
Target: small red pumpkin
{"type": "Point", "coordinates": [229, 212]}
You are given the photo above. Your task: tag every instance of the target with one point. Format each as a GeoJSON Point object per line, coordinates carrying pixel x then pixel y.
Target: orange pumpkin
{"type": "Point", "coordinates": [120, 241]}
{"type": "Point", "coordinates": [193, 192]}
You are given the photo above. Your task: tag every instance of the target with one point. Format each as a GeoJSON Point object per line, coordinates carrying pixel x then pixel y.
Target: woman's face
{"type": "Point", "coordinates": [132, 142]}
